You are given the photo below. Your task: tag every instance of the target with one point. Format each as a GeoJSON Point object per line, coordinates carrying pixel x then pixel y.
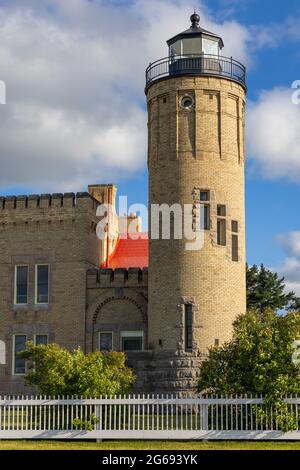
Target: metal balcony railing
{"type": "Point", "coordinates": [203, 64]}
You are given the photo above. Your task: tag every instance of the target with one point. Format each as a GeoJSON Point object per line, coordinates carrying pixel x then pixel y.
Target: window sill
{"type": "Point", "coordinates": [34, 307]}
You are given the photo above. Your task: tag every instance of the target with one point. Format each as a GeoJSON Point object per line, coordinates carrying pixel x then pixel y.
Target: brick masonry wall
{"type": "Point", "coordinates": [54, 229]}
{"type": "Point", "coordinates": [116, 301]}
{"type": "Point", "coordinates": [201, 148]}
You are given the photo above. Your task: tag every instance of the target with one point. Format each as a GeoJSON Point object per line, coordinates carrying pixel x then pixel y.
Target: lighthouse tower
{"type": "Point", "coordinates": [196, 107]}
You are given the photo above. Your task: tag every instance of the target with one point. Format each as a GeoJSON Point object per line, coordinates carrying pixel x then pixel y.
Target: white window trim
{"type": "Point", "coordinates": [40, 334]}
{"type": "Point", "coordinates": [112, 338]}
{"type": "Point", "coordinates": [15, 284]}
{"type": "Point", "coordinates": [36, 284]}
{"type": "Point", "coordinates": [134, 334]}
{"type": "Point", "coordinates": [2, 352]}
{"type": "Point", "coordinates": [34, 342]}
{"type": "Point", "coordinates": [14, 354]}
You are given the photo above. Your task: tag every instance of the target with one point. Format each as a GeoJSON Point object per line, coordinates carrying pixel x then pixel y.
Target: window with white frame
{"type": "Point", "coordinates": [40, 339]}
{"type": "Point", "coordinates": [2, 352]}
{"type": "Point", "coordinates": [42, 284]}
{"type": "Point", "coordinates": [132, 340]}
{"type": "Point", "coordinates": [105, 340]}
{"type": "Point", "coordinates": [19, 363]}
{"type": "Point", "coordinates": [21, 285]}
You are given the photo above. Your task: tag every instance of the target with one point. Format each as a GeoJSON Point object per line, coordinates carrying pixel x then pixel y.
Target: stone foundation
{"type": "Point", "coordinates": [171, 372]}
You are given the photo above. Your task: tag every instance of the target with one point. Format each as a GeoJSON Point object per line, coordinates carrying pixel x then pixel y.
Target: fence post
{"type": "Point", "coordinates": [204, 411]}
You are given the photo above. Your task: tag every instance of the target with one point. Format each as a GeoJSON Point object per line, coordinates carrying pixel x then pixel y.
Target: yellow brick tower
{"type": "Point", "coordinates": [196, 104]}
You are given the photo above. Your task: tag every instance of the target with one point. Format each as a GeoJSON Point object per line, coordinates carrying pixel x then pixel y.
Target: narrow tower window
{"type": "Point", "coordinates": [188, 321]}
{"type": "Point", "coordinates": [234, 226]}
{"type": "Point", "coordinates": [221, 232]}
{"type": "Point", "coordinates": [235, 247]}
{"type": "Point", "coordinates": [221, 224]}
{"type": "Point", "coordinates": [206, 216]}
{"type": "Point", "coordinates": [234, 240]}
{"type": "Point", "coordinates": [205, 210]}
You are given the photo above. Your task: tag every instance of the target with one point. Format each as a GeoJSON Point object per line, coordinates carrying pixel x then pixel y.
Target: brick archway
{"type": "Point", "coordinates": [128, 299]}
{"type": "Point", "coordinates": [105, 301]}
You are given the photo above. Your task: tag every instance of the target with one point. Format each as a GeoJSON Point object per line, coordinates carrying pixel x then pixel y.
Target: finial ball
{"type": "Point", "coordinates": [195, 19]}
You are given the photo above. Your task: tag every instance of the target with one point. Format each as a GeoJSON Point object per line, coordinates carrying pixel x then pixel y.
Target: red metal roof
{"type": "Point", "coordinates": [130, 253]}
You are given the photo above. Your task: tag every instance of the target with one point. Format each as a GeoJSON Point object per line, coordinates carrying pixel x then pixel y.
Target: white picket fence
{"type": "Point", "coordinates": [140, 417]}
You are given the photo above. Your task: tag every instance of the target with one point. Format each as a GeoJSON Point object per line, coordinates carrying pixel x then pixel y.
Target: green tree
{"type": "Point", "coordinates": [57, 371]}
{"type": "Point", "coordinates": [266, 290]}
{"type": "Point", "coordinates": [258, 360]}
{"type": "Point", "coordinates": [294, 305]}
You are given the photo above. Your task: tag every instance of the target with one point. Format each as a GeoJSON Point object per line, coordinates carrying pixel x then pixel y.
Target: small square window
{"type": "Point", "coordinates": [106, 340]}
{"type": "Point", "coordinates": [234, 226]}
{"type": "Point", "coordinates": [221, 210]}
{"type": "Point", "coordinates": [204, 195]}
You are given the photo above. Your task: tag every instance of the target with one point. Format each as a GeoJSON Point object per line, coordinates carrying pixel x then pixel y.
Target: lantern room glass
{"type": "Point", "coordinates": [175, 49]}
{"type": "Point", "coordinates": [191, 46]}
{"type": "Point", "coordinates": [194, 46]}
{"type": "Point", "coordinates": [210, 47]}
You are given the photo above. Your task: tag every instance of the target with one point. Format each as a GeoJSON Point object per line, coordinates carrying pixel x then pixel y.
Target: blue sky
{"type": "Point", "coordinates": [75, 110]}
{"type": "Point", "coordinates": [272, 207]}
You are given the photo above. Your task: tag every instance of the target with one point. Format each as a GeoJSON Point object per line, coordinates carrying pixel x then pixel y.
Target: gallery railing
{"type": "Point", "coordinates": [203, 64]}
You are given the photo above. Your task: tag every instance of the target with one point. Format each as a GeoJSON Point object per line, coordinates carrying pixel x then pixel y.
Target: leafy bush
{"type": "Point", "coordinates": [258, 360]}
{"type": "Point", "coordinates": [57, 371]}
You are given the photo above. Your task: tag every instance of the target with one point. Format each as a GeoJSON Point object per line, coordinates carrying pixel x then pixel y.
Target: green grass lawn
{"type": "Point", "coordinates": [147, 445]}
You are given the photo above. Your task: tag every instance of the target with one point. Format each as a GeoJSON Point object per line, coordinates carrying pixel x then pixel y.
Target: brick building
{"type": "Point", "coordinates": [59, 282]}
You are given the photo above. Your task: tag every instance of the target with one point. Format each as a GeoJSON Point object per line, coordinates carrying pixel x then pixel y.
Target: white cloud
{"type": "Point", "coordinates": [291, 243]}
{"type": "Point", "coordinates": [273, 134]}
{"type": "Point", "coordinates": [74, 71]}
{"type": "Point", "coordinates": [290, 268]}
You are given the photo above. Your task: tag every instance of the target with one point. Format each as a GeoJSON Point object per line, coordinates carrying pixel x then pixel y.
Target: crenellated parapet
{"type": "Point", "coordinates": [48, 201]}
{"type": "Point", "coordinates": [40, 212]}
{"type": "Point", "coordinates": [120, 277]}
